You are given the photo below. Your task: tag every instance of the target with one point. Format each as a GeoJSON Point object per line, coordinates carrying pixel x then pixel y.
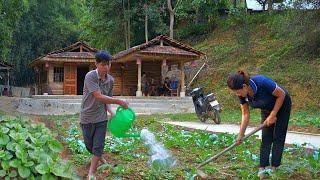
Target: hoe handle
{"type": "Point", "coordinates": [231, 147]}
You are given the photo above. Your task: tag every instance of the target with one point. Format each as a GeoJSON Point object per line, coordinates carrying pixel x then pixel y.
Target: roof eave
{"type": "Point", "coordinates": [157, 39]}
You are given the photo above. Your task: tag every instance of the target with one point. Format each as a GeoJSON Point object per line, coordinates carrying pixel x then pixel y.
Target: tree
{"type": "Point", "coordinates": [10, 14]}
{"type": "Point", "coordinates": [172, 14]}
{"type": "Point", "coordinates": [128, 24]}
{"type": "Point", "coordinates": [146, 21]}
{"type": "Point", "coordinates": [154, 18]}
{"type": "Point", "coordinates": [44, 27]}
{"type": "Point", "coordinates": [106, 25]}
{"type": "Point", "coordinates": [270, 5]}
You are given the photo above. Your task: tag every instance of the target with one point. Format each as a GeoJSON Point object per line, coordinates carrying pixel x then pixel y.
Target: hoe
{"type": "Point", "coordinates": [202, 174]}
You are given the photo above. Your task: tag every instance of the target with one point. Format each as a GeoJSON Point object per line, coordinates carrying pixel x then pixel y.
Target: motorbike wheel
{"type": "Point", "coordinates": [203, 119]}
{"type": "Point", "coordinates": [200, 116]}
{"type": "Point", "coordinates": [217, 118]}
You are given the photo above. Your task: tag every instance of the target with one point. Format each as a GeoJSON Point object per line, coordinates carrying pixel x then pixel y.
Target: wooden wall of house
{"type": "Point", "coordinates": [126, 78]}
{"type": "Point", "coordinates": [152, 70]}
{"type": "Point", "coordinates": [116, 74]}
{"type": "Point", "coordinates": [55, 88]}
{"type": "Point", "coordinates": [42, 80]}
{"type": "Point", "coordinates": [130, 78]}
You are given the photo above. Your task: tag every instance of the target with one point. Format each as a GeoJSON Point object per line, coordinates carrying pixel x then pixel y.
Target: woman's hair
{"type": "Point", "coordinates": [236, 80]}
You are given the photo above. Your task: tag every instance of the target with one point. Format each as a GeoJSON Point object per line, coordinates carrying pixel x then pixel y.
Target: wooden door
{"type": "Point", "coordinates": [70, 79]}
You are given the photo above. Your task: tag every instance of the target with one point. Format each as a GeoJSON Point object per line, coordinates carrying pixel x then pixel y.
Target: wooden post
{"type": "Point", "coordinates": [39, 80]}
{"type": "Point", "coordinates": [8, 78]}
{"type": "Point", "coordinates": [139, 92]}
{"type": "Point", "coordinates": [183, 87]}
{"type": "Point", "coordinates": [122, 66]}
{"type": "Point", "coordinates": [50, 75]}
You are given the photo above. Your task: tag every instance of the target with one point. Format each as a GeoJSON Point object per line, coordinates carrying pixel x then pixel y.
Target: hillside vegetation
{"type": "Point", "coordinates": [284, 46]}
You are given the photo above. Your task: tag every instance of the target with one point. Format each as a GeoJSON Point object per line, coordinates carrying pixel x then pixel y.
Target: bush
{"type": "Point", "coordinates": [194, 30]}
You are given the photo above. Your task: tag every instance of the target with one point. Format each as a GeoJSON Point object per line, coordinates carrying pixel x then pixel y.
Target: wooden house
{"type": "Point", "coordinates": [63, 71]}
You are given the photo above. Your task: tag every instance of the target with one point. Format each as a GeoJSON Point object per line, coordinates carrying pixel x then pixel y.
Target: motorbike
{"type": "Point", "coordinates": [206, 106]}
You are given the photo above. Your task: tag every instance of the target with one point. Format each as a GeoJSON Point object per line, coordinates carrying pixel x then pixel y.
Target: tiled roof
{"type": "Point", "coordinates": [153, 47]}
{"type": "Point", "coordinates": [167, 50]}
{"type": "Point", "coordinates": [73, 55]}
{"type": "Point", "coordinates": [68, 52]}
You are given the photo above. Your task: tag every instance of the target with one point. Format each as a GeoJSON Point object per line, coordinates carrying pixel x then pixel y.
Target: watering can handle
{"type": "Point", "coordinates": [120, 108]}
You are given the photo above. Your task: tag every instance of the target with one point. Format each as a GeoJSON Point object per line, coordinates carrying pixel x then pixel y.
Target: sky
{"type": "Point", "coordinates": [254, 5]}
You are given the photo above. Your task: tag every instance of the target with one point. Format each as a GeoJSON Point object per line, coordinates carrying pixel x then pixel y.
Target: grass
{"type": "Point", "coordinates": [272, 53]}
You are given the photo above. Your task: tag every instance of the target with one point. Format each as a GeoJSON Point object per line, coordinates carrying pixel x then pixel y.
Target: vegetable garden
{"type": "Point", "coordinates": [31, 151]}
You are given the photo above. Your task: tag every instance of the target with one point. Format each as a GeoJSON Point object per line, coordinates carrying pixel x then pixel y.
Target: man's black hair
{"type": "Point", "coordinates": [103, 56]}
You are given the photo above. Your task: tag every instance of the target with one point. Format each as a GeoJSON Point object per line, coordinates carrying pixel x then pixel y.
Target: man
{"type": "Point", "coordinates": [144, 84]}
{"type": "Point", "coordinates": [97, 97]}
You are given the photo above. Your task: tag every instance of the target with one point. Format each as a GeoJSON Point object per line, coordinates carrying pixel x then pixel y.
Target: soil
{"type": "Point", "coordinates": [82, 171]}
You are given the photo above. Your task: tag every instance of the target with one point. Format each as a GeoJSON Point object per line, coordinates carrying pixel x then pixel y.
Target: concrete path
{"type": "Point", "coordinates": [313, 140]}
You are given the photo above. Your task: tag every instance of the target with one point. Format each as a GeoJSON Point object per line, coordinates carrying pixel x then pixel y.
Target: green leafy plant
{"type": "Point", "coordinates": [28, 151]}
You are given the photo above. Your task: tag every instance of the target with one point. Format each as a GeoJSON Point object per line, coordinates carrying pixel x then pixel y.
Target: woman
{"type": "Point", "coordinates": [274, 101]}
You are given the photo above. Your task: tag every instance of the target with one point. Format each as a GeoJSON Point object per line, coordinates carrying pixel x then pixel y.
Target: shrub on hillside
{"type": "Point", "coordinates": [301, 27]}
{"type": "Point", "coordinates": [194, 30]}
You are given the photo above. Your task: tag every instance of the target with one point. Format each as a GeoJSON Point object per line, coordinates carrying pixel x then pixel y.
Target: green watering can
{"type": "Point", "coordinates": [121, 122]}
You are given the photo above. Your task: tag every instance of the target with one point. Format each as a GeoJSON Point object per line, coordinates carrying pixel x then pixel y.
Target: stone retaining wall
{"type": "Point", "coordinates": [56, 105]}
{"type": "Point", "coordinates": [18, 91]}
